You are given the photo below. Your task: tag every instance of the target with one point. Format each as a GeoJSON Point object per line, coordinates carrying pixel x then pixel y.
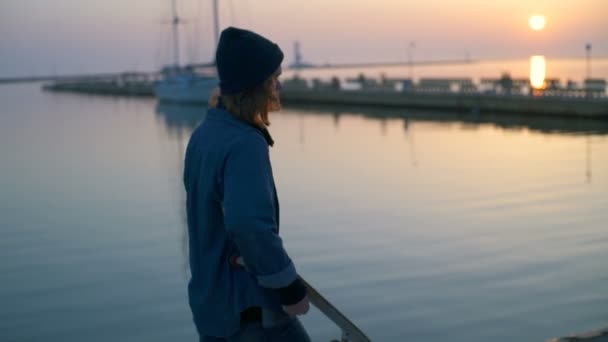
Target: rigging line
{"type": "Point", "coordinates": [197, 32]}
{"type": "Point", "coordinates": [190, 34]}
{"type": "Point", "coordinates": [247, 12]}
{"type": "Point", "coordinates": [164, 47]}
{"type": "Point", "coordinates": [158, 52]}
{"type": "Point", "coordinates": [232, 16]}
{"type": "Point", "coordinates": [191, 44]}
{"type": "Point", "coordinates": [202, 32]}
{"type": "Point", "coordinates": [164, 42]}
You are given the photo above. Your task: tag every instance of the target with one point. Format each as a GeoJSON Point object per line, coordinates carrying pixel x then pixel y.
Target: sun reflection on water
{"type": "Point", "coordinates": [538, 68]}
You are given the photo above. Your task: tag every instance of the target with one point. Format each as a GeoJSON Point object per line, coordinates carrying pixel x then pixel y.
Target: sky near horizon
{"type": "Point", "coordinates": [69, 36]}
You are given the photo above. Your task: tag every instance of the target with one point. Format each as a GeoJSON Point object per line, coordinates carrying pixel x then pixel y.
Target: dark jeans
{"type": "Point", "coordinates": [289, 331]}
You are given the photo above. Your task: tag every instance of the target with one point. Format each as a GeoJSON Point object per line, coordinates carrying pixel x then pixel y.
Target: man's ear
{"type": "Point", "coordinates": [214, 98]}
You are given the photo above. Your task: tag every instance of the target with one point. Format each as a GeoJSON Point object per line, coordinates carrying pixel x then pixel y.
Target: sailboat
{"type": "Point", "coordinates": [191, 83]}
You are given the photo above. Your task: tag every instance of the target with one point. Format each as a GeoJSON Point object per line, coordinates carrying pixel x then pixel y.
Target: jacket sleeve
{"type": "Point", "coordinates": [249, 213]}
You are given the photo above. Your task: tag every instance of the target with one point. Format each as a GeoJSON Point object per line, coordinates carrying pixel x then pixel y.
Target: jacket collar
{"type": "Point", "coordinates": [221, 113]}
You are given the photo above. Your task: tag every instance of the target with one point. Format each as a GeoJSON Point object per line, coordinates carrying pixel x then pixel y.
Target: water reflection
{"type": "Point", "coordinates": [588, 159]}
{"type": "Point", "coordinates": [443, 238]}
{"type": "Point", "coordinates": [409, 133]}
{"type": "Point", "coordinates": [538, 69]}
{"type": "Point", "coordinates": [180, 120]}
{"type": "Point", "coordinates": [589, 140]}
{"type": "Point", "coordinates": [472, 120]}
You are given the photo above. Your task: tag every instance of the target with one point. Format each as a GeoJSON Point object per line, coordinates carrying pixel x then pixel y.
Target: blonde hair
{"type": "Point", "coordinates": [252, 105]}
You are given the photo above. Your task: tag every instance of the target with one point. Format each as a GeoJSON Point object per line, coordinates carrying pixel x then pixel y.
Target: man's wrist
{"type": "Point", "coordinates": [293, 293]}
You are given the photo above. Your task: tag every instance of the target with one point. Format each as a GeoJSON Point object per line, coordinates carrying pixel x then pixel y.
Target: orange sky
{"type": "Point", "coordinates": [40, 36]}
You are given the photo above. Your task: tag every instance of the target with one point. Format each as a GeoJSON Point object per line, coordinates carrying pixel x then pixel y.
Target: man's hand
{"type": "Point", "coordinates": [300, 308]}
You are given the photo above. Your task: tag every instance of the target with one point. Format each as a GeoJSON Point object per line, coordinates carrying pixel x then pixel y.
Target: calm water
{"type": "Point", "coordinates": [421, 226]}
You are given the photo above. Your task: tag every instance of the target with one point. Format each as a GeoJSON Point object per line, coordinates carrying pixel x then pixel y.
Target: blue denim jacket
{"type": "Point", "coordinates": [232, 209]}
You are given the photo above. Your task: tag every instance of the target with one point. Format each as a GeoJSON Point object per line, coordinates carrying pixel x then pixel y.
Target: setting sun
{"type": "Point", "coordinates": [537, 22]}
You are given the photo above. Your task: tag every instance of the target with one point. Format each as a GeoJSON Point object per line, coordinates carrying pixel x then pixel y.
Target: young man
{"type": "Point", "coordinates": [244, 286]}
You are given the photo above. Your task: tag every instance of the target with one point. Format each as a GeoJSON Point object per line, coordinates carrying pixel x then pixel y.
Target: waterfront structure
{"type": "Point", "coordinates": [190, 83]}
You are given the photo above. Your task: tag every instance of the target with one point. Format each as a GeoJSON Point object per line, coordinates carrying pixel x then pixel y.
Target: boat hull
{"type": "Point", "coordinates": [185, 90]}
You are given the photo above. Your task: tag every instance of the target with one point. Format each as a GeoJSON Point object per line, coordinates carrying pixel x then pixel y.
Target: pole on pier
{"type": "Point", "coordinates": [588, 51]}
{"type": "Point", "coordinates": [410, 59]}
{"type": "Point", "coordinates": [298, 54]}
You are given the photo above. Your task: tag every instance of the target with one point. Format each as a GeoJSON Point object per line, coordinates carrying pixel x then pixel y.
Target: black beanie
{"type": "Point", "coordinates": [245, 59]}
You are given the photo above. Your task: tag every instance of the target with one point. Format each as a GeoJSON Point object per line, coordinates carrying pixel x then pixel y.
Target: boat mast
{"type": "Point", "coordinates": [216, 22]}
{"type": "Point", "coordinates": [175, 24]}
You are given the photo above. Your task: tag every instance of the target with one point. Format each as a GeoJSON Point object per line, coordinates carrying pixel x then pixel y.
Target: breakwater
{"type": "Point", "coordinates": [470, 102]}
{"type": "Point", "coordinates": [436, 94]}
{"type": "Point", "coordinates": [127, 84]}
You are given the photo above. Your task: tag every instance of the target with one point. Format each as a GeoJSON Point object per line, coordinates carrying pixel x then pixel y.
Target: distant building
{"type": "Point", "coordinates": [298, 63]}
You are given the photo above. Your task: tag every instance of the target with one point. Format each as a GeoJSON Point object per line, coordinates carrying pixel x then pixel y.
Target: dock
{"type": "Point", "coordinates": [500, 95]}
{"type": "Point", "coordinates": [489, 96]}
{"type": "Point", "coordinates": [461, 102]}
{"type": "Point", "coordinates": [124, 84]}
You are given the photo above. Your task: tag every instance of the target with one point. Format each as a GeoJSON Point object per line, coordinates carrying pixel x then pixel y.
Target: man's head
{"type": "Point", "coordinates": [248, 66]}
{"type": "Point", "coordinates": [245, 59]}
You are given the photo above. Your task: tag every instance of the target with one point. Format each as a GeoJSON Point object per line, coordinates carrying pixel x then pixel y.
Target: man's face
{"type": "Point", "coordinates": [275, 87]}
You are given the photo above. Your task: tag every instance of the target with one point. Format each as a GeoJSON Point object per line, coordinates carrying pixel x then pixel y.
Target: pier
{"type": "Point", "coordinates": [124, 84]}
{"type": "Point", "coordinates": [574, 106]}
{"type": "Point", "coordinates": [500, 95]}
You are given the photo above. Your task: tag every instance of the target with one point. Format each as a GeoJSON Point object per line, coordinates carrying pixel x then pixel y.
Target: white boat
{"type": "Point", "coordinates": [184, 85]}
{"type": "Point", "coordinates": [190, 83]}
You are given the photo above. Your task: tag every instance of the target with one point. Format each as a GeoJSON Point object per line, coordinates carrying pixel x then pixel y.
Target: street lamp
{"type": "Point", "coordinates": [410, 59]}
{"type": "Point", "coordinates": [588, 50]}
